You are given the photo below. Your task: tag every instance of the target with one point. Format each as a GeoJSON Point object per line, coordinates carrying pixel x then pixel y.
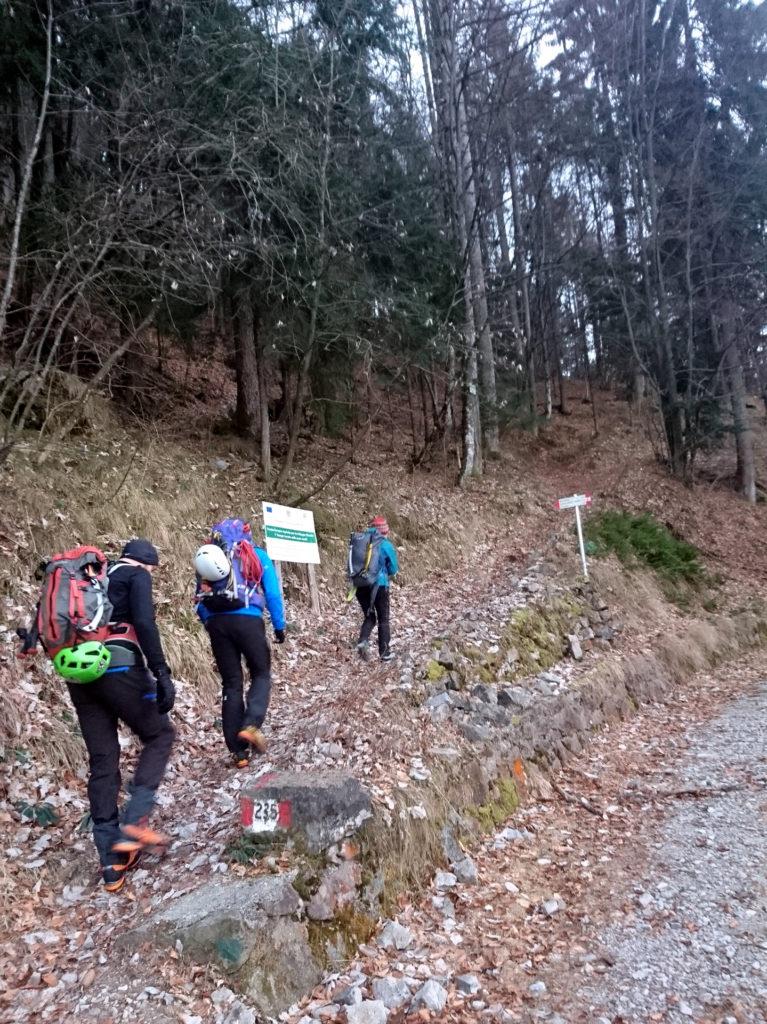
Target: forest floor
{"type": "Point", "coordinates": [460, 553]}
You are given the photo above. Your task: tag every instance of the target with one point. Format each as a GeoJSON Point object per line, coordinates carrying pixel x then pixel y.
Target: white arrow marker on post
{"type": "Point", "coordinates": [577, 501]}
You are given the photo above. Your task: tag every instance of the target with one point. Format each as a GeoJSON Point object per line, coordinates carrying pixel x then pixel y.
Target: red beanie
{"type": "Point", "coordinates": [379, 522]}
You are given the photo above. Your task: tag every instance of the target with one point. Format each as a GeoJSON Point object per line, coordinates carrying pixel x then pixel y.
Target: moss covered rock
{"type": "Point", "coordinates": [504, 802]}
{"type": "Point", "coordinates": [434, 672]}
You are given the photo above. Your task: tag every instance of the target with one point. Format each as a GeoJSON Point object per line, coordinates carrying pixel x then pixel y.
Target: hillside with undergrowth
{"type": "Point", "coordinates": [132, 482]}
{"type": "Point", "coordinates": [486, 570]}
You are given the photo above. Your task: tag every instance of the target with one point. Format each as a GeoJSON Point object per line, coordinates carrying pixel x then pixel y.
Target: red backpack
{"type": "Point", "coordinates": [73, 603]}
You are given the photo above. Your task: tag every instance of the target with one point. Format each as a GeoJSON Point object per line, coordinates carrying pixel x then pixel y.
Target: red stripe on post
{"type": "Point", "coordinates": [246, 812]}
{"type": "Point", "coordinates": [285, 815]}
{"type": "Point", "coordinates": [263, 779]}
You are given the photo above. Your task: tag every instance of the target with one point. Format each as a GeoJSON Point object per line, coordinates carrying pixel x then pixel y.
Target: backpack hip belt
{"type": "Point", "coordinates": [123, 644]}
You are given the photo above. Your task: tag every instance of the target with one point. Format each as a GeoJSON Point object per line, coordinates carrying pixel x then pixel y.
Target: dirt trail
{"type": "Point", "coordinates": [322, 698]}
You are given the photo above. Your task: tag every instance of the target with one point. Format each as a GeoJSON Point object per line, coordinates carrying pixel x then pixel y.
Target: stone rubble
{"type": "Point", "coordinates": [432, 996]}
{"type": "Point", "coordinates": [395, 936]}
{"type": "Point", "coordinates": [371, 1011]}
{"type": "Point", "coordinates": [392, 992]}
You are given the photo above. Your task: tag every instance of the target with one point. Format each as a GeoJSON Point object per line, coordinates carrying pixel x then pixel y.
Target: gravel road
{"type": "Point", "coordinates": [695, 946]}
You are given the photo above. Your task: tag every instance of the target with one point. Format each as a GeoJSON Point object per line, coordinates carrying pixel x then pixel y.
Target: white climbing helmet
{"type": "Point", "coordinates": [211, 564]}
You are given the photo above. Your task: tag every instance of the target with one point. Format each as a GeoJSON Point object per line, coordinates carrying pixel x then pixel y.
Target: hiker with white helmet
{"type": "Point", "coordinates": [236, 581]}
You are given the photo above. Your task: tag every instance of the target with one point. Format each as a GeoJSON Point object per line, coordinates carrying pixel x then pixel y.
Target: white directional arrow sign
{"type": "Point", "coordinates": [574, 501]}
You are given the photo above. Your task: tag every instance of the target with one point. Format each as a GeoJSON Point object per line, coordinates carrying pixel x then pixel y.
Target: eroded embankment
{"type": "Point", "coordinates": [510, 708]}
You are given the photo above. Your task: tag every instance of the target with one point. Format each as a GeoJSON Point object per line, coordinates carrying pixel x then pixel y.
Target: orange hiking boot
{"type": "Point", "coordinates": [139, 837]}
{"type": "Point", "coordinates": [113, 880]}
{"type": "Point", "coordinates": [253, 735]}
{"type": "Point", "coordinates": [114, 874]}
{"type": "Point", "coordinates": [241, 759]}
{"type": "Point", "coordinates": [132, 859]}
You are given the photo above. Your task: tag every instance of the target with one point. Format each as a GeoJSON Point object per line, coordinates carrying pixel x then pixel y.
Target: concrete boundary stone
{"type": "Point", "coordinates": [323, 807]}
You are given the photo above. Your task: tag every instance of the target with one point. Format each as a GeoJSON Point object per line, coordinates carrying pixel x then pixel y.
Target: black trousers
{"type": "Point", "coordinates": [100, 706]}
{"type": "Point", "coordinates": [377, 612]}
{"type": "Point", "coordinates": [234, 637]}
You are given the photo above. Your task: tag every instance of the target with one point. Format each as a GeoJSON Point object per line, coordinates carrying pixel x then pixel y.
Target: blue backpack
{"type": "Point", "coordinates": [242, 587]}
{"type": "Point", "coordinates": [364, 561]}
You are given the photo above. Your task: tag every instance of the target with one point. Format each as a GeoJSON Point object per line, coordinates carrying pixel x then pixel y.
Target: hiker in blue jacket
{"type": "Point", "coordinates": [374, 600]}
{"type": "Point", "coordinates": [236, 630]}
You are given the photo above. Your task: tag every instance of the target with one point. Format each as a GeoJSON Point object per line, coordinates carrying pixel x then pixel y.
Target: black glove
{"type": "Point", "coordinates": [166, 693]}
{"type": "Point", "coordinates": [28, 639]}
{"type": "Point", "coordinates": [279, 636]}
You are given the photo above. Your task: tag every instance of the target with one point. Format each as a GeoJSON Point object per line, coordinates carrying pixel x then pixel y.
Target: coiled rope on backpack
{"type": "Point", "coordinates": [250, 564]}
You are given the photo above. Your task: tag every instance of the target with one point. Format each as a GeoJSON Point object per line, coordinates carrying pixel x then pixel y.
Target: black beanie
{"type": "Point", "coordinates": [141, 550]}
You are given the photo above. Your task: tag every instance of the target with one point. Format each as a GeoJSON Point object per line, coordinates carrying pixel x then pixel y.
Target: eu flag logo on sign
{"type": "Point", "coordinates": [268, 508]}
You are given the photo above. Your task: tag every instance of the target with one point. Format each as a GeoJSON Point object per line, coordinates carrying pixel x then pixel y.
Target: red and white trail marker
{"type": "Point", "coordinates": [577, 501]}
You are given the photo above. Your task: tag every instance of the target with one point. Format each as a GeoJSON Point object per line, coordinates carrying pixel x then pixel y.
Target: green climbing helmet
{"type": "Point", "coordinates": [84, 663]}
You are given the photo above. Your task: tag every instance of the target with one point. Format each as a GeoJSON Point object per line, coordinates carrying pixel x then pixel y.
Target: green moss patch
{"type": "Point", "coordinates": [252, 846]}
{"type": "Point", "coordinates": [538, 634]}
{"type": "Point", "coordinates": [340, 938]}
{"type": "Point", "coordinates": [492, 815]}
{"type": "Point", "coordinates": [434, 671]}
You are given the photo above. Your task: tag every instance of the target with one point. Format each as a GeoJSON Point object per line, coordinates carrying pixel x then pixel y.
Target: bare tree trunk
{"type": "Point", "coordinates": [744, 438]}
{"type": "Point", "coordinates": [368, 376]}
{"type": "Point", "coordinates": [246, 415]}
{"type": "Point", "coordinates": [489, 407]}
{"type": "Point", "coordinates": [424, 408]}
{"type": "Point", "coordinates": [655, 273]}
{"type": "Point", "coordinates": [437, 415]}
{"type": "Point", "coordinates": [265, 427]}
{"type": "Point", "coordinates": [581, 316]}
{"type": "Point", "coordinates": [308, 357]}
{"type": "Point", "coordinates": [450, 385]}
{"type": "Point", "coordinates": [522, 286]}
{"type": "Point", "coordinates": [21, 199]}
{"type": "Point", "coordinates": [596, 329]}
{"type": "Point", "coordinates": [426, 73]}
{"type": "Point", "coordinates": [453, 152]}
{"type": "Point", "coordinates": [301, 389]}
{"type": "Point", "coordinates": [411, 407]}
{"type": "Point", "coordinates": [506, 267]}
{"type": "Point", "coordinates": [688, 280]}
{"type": "Point", "coordinates": [556, 334]}
{"type": "Point", "coordinates": [471, 463]}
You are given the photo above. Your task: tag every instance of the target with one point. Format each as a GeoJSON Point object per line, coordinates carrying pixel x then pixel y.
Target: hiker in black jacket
{"type": "Point", "coordinates": [136, 689]}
